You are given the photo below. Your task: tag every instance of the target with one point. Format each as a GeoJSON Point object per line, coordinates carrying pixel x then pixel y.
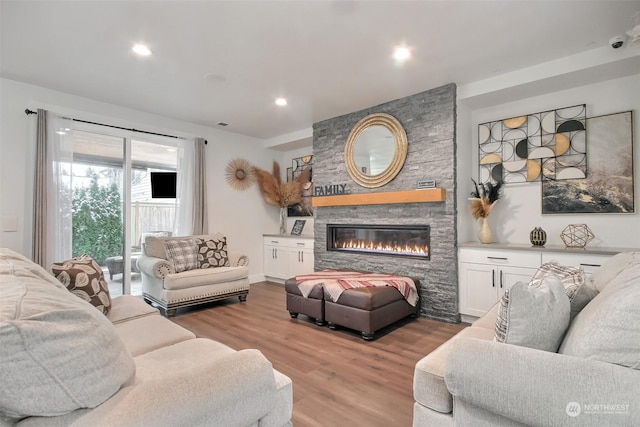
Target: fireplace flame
{"type": "Point", "coordinates": [361, 245]}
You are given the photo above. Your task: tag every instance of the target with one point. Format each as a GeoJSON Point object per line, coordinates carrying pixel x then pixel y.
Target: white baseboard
{"type": "Point", "coordinates": [468, 319]}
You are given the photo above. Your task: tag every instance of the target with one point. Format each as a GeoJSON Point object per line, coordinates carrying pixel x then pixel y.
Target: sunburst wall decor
{"type": "Point", "coordinates": [239, 174]}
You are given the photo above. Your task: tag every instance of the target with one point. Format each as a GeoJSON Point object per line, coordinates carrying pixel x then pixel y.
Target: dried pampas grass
{"type": "Point", "coordinates": [484, 198]}
{"type": "Point", "coordinates": [277, 193]}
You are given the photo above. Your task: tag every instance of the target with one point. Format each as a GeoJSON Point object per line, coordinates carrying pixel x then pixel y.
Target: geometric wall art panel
{"type": "Point", "coordinates": [608, 187]}
{"type": "Point", "coordinates": [546, 145]}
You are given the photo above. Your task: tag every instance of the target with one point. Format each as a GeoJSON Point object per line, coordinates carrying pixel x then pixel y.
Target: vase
{"type": "Point", "coordinates": [538, 237]}
{"type": "Point", "coordinates": [485, 235]}
{"type": "Point", "coordinates": [283, 220]}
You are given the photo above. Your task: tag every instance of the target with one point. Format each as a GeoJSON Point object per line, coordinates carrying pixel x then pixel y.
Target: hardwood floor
{"type": "Point", "coordinates": [338, 378]}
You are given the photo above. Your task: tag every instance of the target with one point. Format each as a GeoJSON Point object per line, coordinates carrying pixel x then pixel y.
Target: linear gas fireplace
{"type": "Point", "coordinates": [396, 240]}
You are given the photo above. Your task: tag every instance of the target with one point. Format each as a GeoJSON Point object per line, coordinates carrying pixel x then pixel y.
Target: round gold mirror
{"type": "Point", "coordinates": [376, 150]}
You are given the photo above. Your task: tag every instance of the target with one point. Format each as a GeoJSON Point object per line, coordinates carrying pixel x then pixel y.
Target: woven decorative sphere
{"type": "Point", "coordinates": [538, 237]}
{"type": "Point", "coordinates": [576, 235]}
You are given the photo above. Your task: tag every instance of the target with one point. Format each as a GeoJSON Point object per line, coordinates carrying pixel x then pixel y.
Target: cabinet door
{"type": "Point", "coordinates": [478, 288]}
{"type": "Point", "coordinates": [308, 263]}
{"type": "Point", "coordinates": [300, 261]}
{"type": "Point", "coordinates": [508, 276]}
{"type": "Point", "coordinates": [276, 262]}
{"type": "Point", "coordinates": [270, 266]}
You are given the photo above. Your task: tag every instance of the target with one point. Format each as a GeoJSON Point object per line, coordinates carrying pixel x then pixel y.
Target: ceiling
{"type": "Point", "coordinates": [227, 61]}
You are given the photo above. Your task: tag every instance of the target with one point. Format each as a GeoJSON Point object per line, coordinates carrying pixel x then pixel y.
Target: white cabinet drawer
{"type": "Point", "coordinates": [588, 262]}
{"type": "Point", "coordinates": [275, 241]}
{"type": "Point", "coordinates": [500, 257]}
{"type": "Point", "coordinates": [289, 242]}
{"type": "Point", "coordinates": [300, 243]}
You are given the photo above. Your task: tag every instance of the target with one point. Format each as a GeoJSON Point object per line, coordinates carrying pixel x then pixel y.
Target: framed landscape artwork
{"type": "Point", "coordinates": [608, 187]}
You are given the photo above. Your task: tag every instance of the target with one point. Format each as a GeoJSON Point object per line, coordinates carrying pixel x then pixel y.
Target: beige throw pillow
{"type": "Point", "coordinates": [212, 252]}
{"type": "Point", "coordinates": [535, 316]}
{"type": "Point", "coordinates": [85, 279]}
{"type": "Point", "coordinates": [154, 247]}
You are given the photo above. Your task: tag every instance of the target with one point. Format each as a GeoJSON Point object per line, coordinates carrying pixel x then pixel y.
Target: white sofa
{"type": "Point", "coordinates": [593, 379]}
{"type": "Point", "coordinates": [64, 363]}
{"type": "Point", "coordinates": [170, 290]}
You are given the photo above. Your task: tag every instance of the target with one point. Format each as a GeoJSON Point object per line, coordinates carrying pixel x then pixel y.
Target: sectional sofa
{"type": "Point", "coordinates": [591, 379]}
{"type": "Point", "coordinates": [66, 363]}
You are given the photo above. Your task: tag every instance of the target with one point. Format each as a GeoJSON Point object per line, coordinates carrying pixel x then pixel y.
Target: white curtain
{"type": "Point", "coordinates": [184, 188]}
{"type": "Point", "coordinates": [60, 196]}
{"type": "Point", "coordinates": [191, 189]}
{"type": "Point", "coordinates": [53, 191]}
{"type": "Point", "coordinates": [200, 213]}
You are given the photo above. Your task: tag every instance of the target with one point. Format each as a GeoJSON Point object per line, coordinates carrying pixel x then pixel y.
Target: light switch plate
{"type": "Point", "coordinates": [9, 223]}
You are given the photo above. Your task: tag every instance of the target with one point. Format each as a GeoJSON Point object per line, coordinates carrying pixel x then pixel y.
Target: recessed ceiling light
{"type": "Point", "coordinates": [141, 50]}
{"type": "Point", "coordinates": [281, 102]}
{"type": "Point", "coordinates": [401, 53]}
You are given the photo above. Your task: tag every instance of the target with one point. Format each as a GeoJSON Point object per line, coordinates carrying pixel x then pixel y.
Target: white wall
{"type": "Point", "coordinates": [464, 167]}
{"type": "Point", "coordinates": [519, 210]}
{"type": "Point", "coordinates": [242, 216]}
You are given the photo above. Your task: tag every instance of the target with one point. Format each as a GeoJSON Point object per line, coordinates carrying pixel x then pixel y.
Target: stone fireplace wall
{"type": "Point", "coordinates": [429, 119]}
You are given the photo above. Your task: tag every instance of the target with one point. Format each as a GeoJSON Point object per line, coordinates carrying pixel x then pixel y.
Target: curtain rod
{"type": "Point", "coordinates": [28, 112]}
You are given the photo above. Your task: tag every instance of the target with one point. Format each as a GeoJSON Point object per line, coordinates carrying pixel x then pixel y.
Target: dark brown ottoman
{"type": "Point", "coordinates": [368, 309]}
{"type": "Point", "coordinates": [312, 306]}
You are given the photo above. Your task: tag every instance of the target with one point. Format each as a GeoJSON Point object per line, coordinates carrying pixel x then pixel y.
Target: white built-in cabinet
{"type": "Point", "coordinates": [486, 271]}
{"type": "Point", "coordinates": [287, 256]}
{"type": "Point", "coordinates": [486, 274]}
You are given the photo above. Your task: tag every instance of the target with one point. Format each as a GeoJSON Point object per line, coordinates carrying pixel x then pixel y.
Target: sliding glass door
{"type": "Point", "coordinates": [113, 208]}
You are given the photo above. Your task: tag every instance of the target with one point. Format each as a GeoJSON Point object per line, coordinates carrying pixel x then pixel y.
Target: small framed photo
{"type": "Point", "coordinates": [297, 227]}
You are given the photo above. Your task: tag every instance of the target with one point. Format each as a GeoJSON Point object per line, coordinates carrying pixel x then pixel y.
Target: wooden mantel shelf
{"type": "Point", "coordinates": [411, 196]}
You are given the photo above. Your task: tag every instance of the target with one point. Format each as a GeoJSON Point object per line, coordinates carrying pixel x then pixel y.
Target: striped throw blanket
{"type": "Point", "coordinates": [336, 282]}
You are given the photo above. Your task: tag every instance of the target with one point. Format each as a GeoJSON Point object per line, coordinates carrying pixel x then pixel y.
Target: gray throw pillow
{"type": "Point", "coordinates": [607, 329]}
{"type": "Point", "coordinates": [58, 353]}
{"type": "Point", "coordinates": [535, 316]}
{"type": "Point", "coordinates": [182, 254]}
{"type": "Point", "coordinates": [577, 285]}
{"type": "Point", "coordinates": [612, 267]}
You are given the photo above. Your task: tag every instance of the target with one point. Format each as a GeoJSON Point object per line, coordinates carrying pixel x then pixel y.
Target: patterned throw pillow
{"type": "Point", "coordinates": [576, 284]}
{"type": "Point", "coordinates": [534, 316]}
{"type": "Point", "coordinates": [182, 254]}
{"type": "Point", "coordinates": [212, 252]}
{"type": "Point", "coordinates": [84, 278]}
